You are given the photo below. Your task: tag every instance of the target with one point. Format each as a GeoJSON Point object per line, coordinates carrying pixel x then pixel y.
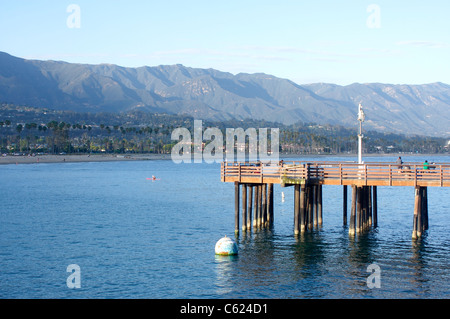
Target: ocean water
{"type": "Point", "coordinates": [136, 238]}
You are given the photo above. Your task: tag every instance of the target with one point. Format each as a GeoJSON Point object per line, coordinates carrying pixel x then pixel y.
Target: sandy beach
{"type": "Point", "coordinates": [72, 158]}
{"type": "Point", "coordinates": [80, 158]}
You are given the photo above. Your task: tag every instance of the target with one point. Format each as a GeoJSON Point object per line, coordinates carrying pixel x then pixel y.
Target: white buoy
{"type": "Point", "coordinates": [226, 247]}
{"type": "Point", "coordinates": [282, 197]}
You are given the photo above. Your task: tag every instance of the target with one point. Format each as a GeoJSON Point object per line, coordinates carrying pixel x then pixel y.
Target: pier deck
{"type": "Point", "coordinates": [337, 173]}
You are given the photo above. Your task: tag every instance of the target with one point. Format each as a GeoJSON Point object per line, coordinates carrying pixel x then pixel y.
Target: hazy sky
{"type": "Point", "coordinates": [305, 41]}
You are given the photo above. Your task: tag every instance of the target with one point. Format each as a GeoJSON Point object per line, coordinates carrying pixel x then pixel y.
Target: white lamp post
{"type": "Point", "coordinates": [361, 118]}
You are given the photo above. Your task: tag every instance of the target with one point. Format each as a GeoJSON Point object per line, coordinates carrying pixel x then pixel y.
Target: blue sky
{"type": "Point", "coordinates": [338, 42]}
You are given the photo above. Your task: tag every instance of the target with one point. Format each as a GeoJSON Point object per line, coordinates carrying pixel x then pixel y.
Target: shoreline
{"type": "Point", "coordinates": [71, 158]}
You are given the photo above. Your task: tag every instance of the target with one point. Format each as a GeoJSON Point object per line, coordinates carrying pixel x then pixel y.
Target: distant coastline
{"type": "Point", "coordinates": [71, 158]}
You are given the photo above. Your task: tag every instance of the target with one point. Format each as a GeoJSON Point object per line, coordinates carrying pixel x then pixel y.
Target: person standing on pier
{"type": "Point", "coordinates": [426, 165]}
{"type": "Point", "coordinates": [399, 162]}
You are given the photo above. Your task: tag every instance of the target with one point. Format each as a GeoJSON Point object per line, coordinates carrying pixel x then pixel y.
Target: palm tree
{"type": "Point", "coordinates": [19, 129]}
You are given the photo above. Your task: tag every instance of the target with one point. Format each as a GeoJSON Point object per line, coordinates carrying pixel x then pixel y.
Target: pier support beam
{"type": "Point", "coordinates": [352, 228]}
{"type": "Point", "coordinates": [261, 207]}
{"type": "Point", "coordinates": [264, 206]}
{"type": "Point", "coordinates": [255, 207]}
{"type": "Point", "coordinates": [420, 221]}
{"type": "Point", "coordinates": [249, 209]}
{"type": "Point", "coordinates": [425, 207]}
{"type": "Point", "coordinates": [358, 209]}
{"type": "Point", "coordinates": [244, 207]}
{"type": "Point", "coordinates": [374, 206]}
{"type": "Point", "coordinates": [344, 206]}
{"type": "Point", "coordinates": [302, 205]}
{"type": "Point", "coordinates": [259, 210]}
{"type": "Point", "coordinates": [366, 206]}
{"type": "Point", "coordinates": [296, 209]}
{"type": "Point", "coordinates": [310, 201]}
{"type": "Point", "coordinates": [319, 204]}
{"type": "Point", "coordinates": [270, 204]}
{"type": "Point", "coordinates": [315, 189]}
{"type": "Point", "coordinates": [417, 208]}
{"type": "Point", "coordinates": [369, 194]}
{"type": "Point", "coordinates": [236, 207]}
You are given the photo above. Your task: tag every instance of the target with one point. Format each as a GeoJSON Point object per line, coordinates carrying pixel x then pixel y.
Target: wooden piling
{"type": "Point", "coordinates": [365, 208]}
{"type": "Point", "coordinates": [368, 207]}
{"type": "Point", "coordinates": [365, 205]}
{"type": "Point", "coordinates": [258, 221]}
{"type": "Point", "coordinates": [249, 209]}
{"type": "Point", "coordinates": [261, 209]}
{"type": "Point", "coordinates": [304, 189]}
{"type": "Point", "coordinates": [296, 208]}
{"type": "Point", "coordinates": [369, 196]}
{"type": "Point", "coordinates": [358, 209]}
{"type": "Point", "coordinates": [425, 208]}
{"type": "Point", "coordinates": [352, 228]}
{"type": "Point", "coordinates": [423, 215]}
{"type": "Point", "coordinates": [264, 206]}
{"type": "Point", "coordinates": [302, 205]}
{"type": "Point", "coordinates": [255, 206]}
{"type": "Point", "coordinates": [236, 207]}
{"type": "Point", "coordinates": [417, 204]}
{"type": "Point", "coordinates": [344, 206]}
{"type": "Point", "coordinates": [310, 200]}
{"type": "Point", "coordinates": [374, 206]}
{"type": "Point", "coordinates": [361, 225]}
{"type": "Point", "coordinates": [361, 215]}
{"type": "Point", "coordinates": [306, 207]}
{"type": "Point", "coordinates": [270, 204]}
{"type": "Point", "coordinates": [319, 203]}
{"type": "Point", "coordinates": [420, 210]}
{"type": "Point", "coordinates": [244, 207]}
{"type": "Point", "coordinates": [316, 205]}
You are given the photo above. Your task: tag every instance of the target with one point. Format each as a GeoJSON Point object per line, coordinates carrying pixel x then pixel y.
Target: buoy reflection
{"type": "Point", "coordinates": [224, 273]}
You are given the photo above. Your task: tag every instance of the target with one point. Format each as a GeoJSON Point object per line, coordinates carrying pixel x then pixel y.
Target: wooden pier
{"type": "Point", "coordinates": [257, 180]}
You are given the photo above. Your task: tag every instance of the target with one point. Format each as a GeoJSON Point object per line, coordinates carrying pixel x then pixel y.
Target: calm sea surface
{"type": "Point", "coordinates": [137, 238]}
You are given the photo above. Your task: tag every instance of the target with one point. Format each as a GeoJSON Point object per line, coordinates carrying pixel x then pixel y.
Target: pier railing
{"type": "Point", "coordinates": [338, 173]}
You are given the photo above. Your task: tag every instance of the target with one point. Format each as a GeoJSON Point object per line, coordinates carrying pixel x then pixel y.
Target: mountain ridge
{"type": "Point", "coordinates": [215, 95]}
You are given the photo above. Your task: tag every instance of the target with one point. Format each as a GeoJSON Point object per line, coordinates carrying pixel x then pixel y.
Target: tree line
{"type": "Point", "coordinates": [30, 130]}
{"type": "Point", "coordinates": [61, 137]}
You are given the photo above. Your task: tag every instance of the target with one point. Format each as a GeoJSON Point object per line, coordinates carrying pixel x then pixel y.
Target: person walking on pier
{"type": "Point", "coordinates": [399, 162]}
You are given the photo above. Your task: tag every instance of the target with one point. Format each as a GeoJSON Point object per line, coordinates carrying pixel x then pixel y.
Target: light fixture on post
{"type": "Point", "coordinates": [361, 118]}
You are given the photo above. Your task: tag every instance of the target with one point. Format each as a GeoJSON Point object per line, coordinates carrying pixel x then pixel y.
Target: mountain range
{"type": "Point", "coordinates": [214, 95]}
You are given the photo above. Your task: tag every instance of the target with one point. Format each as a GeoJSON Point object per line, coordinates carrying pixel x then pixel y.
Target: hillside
{"type": "Point", "coordinates": [214, 95]}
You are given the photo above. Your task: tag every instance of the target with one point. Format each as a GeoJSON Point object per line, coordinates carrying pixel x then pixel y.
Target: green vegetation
{"type": "Point", "coordinates": [34, 130]}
